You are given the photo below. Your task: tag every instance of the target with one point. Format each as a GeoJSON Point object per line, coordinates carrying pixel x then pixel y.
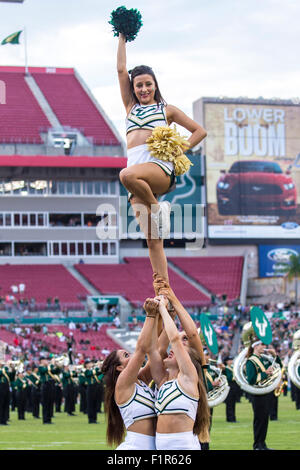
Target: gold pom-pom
{"type": "Point", "coordinates": [167, 144]}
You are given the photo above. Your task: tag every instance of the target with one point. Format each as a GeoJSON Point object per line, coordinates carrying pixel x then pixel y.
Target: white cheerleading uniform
{"type": "Point", "coordinates": [172, 399]}
{"type": "Point", "coordinates": [148, 117]}
{"type": "Point", "coordinates": [141, 154]}
{"type": "Point", "coordinates": [141, 405]}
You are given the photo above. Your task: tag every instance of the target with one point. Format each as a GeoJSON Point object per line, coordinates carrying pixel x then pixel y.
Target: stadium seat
{"type": "Point", "coordinates": [43, 282]}
{"type": "Point", "coordinates": [73, 107]}
{"type": "Point", "coordinates": [133, 280]}
{"type": "Point", "coordinates": [22, 117]}
{"type": "Point", "coordinates": [221, 275]}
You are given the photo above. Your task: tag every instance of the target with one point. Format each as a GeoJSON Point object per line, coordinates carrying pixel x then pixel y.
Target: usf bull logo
{"type": "Point", "coordinates": [209, 333]}
{"type": "Point", "coordinates": [261, 325]}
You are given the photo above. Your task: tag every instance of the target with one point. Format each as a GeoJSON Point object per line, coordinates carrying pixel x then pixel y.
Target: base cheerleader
{"type": "Point", "coordinates": [129, 401]}
{"type": "Point", "coordinates": [181, 400]}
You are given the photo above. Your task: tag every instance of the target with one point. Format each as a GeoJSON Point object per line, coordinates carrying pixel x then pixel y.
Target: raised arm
{"type": "Point", "coordinates": [186, 367]}
{"type": "Point", "coordinates": [156, 348]}
{"type": "Point", "coordinates": [186, 320]}
{"type": "Point", "coordinates": [129, 375]}
{"type": "Point", "coordinates": [123, 75]}
{"type": "Point", "coordinates": [198, 133]}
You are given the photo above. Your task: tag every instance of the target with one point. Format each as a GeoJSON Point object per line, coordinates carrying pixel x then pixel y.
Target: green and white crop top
{"type": "Point", "coordinates": [139, 406]}
{"type": "Point", "coordinates": [171, 399]}
{"type": "Point", "coordinates": [146, 117]}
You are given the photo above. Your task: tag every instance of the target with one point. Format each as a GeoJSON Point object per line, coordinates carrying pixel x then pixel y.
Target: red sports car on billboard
{"type": "Point", "coordinates": [256, 187]}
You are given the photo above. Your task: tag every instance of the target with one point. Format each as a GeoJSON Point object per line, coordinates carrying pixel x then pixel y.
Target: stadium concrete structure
{"type": "Point", "coordinates": [60, 158]}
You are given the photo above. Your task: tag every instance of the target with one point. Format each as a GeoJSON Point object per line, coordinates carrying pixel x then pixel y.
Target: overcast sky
{"type": "Point", "coordinates": [196, 47]}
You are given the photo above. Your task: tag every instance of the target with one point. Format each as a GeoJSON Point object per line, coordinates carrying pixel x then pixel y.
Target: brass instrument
{"type": "Point", "coordinates": [77, 367]}
{"type": "Point", "coordinates": [264, 386]}
{"type": "Point", "coordinates": [282, 383]}
{"type": "Point", "coordinates": [17, 365]}
{"type": "Point", "coordinates": [62, 361]}
{"type": "Point", "coordinates": [294, 362]}
{"type": "Point", "coordinates": [219, 393]}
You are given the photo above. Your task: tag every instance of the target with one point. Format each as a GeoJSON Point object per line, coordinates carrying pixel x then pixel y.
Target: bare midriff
{"type": "Point", "coordinates": [144, 426]}
{"type": "Point", "coordinates": [137, 137]}
{"type": "Point", "coordinates": [174, 423]}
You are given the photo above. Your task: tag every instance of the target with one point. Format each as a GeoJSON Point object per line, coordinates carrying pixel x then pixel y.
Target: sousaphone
{"type": "Point", "coordinates": [208, 337]}
{"type": "Point", "coordinates": [258, 328]}
{"type": "Point", "coordinates": [294, 362]}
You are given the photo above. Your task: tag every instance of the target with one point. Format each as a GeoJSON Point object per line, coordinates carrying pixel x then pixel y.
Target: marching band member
{"type": "Point", "coordinates": [46, 372]}
{"type": "Point", "coordinates": [231, 398]}
{"type": "Point", "coordinates": [34, 378]}
{"type": "Point", "coordinates": [82, 386]}
{"type": "Point", "coordinates": [7, 376]}
{"type": "Point", "coordinates": [21, 385]}
{"type": "Point", "coordinates": [258, 367]}
{"type": "Point", "coordinates": [93, 376]}
{"type": "Point", "coordinates": [68, 390]}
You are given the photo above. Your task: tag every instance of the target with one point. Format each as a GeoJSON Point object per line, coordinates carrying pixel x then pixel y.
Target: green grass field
{"type": "Point", "coordinates": [74, 432]}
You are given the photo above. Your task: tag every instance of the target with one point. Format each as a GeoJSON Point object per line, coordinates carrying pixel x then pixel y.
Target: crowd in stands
{"type": "Point", "coordinates": [89, 340]}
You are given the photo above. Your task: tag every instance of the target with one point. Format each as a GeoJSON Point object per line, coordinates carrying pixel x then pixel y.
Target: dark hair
{"type": "Point", "coordinates": [141, 70]}
{"type": "Point", "coordinates": [202, 421]}
{"type": "Point", "coordinates": [250, 351]}
{"type": "Point", "coordinates": [115, 425]}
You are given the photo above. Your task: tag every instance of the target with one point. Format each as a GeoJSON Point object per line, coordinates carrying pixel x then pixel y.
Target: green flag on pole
{"type": "Point", "coordinates": [209, 333]}
{"type": "Point", "coordinates": [12, 39]}
{"type": "Point", "coordinates": [261, 325]}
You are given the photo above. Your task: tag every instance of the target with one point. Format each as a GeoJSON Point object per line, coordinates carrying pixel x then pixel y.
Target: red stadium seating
{"type": "Point", "coordinates": [42, 282]}
{"type": "Point", "coordinates": [133, 280]}
{"type": "Point", "coordinates": [220, 275]}
{"type": "Point", "coordinates": [21, 116]}
{"type": "Point", "coordinates": [73, 107]}
{"type": "Point", "coordinates": [97, 340]}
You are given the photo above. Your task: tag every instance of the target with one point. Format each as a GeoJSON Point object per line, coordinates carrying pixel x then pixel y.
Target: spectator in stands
{"type": "Point", "coordinates": [72, 325]}
{"type": "Point", "coordinates": [146, 177]}
{"type": "Point", "coordinates": [71, 345]}
{"type": "Point", "coordinates": [117, 322]}
{"type": "Point", "coordinates": [45, 329]}
{"type": "Point", "coordinates": [105, 351]}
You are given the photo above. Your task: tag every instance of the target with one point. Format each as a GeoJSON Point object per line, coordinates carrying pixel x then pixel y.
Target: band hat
{"type": "Point", "coordinates": [257, 343]}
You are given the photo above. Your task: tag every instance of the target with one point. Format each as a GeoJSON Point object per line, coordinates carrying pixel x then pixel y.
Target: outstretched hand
{"type": "Point", "coordinates": [151, 306]}
{"type": "Point", "coordinates": [162, 301]}
{"type": "Point", "coordinates": [162, 287]}
{"type": "Point", "coordinates": [159, 283]}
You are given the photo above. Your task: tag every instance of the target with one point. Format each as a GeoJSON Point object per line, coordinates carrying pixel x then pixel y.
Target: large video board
{"type": "Point", "coordinates": [252, 153]}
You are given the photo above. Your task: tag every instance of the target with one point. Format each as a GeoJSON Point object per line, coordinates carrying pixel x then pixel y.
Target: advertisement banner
{"type": "Point", "coordinates": [274, 258]}
{"type": "Point", "coordinates": [252, 167]}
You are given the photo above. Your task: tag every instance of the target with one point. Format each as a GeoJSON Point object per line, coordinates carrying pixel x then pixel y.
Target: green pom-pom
{"type": "Point", "coordinates": [127, 22]}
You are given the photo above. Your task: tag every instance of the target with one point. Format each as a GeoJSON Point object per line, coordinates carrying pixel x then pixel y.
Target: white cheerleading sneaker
{"type": "Point", "coordinates": [160, 221]}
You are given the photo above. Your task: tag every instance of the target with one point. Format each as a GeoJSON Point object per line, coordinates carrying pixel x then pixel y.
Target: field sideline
{"type": "Point", "coordinates": [74, 432]}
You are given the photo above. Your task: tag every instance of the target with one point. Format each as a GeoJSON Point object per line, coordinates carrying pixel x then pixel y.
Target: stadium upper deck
{"type": "Point", "coordinates": [54, 99]}
{"type": "Point", "coordinates": [60, 157]}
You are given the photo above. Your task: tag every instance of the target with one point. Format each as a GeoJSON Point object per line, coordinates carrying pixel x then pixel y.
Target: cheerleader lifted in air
{"type": "Point", "coordinates": [154, 151]}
